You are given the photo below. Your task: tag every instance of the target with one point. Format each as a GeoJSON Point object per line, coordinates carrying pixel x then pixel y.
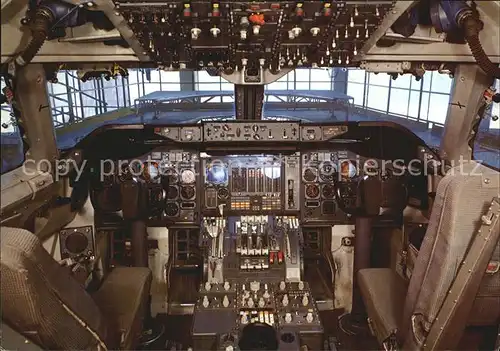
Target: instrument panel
{"type": "Point", "coordinates": [244, 183]}
{"type": "Point", "coordinates": [229, 36]}
{"type": "Point", "coordinates": [304, 184]}
{"type": "Point", "coordinates": [258, 131]}
{"type": "Point", "coordinates": [312, 172]}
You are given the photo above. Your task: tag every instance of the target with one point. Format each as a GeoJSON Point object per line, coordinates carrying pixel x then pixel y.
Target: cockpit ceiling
{"type": "Point", "coordinates": [312, 33]}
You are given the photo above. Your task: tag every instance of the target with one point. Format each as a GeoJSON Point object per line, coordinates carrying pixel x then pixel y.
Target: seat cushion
{"type": "Point", "coordinates": [41, 300]}
{"type": "Point", "coordinates": [123, 299]}
{"type": "Point", "coordinates": [384, 294]}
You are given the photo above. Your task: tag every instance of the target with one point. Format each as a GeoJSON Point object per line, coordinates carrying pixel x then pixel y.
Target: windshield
{"type": "Point", "coordinates": [310, 95]}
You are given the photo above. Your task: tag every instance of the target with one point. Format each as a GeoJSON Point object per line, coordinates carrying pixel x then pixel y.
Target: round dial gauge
{"type": "Point", "coordinates": [328, 191]}
{"type": "Point", "coordinates": [172, 193]}
{"type": "Point", "coordinates": [371, 167]}
{"type": "Point", "coordinates": [348, 169]}
{"type": "Point", "coordinates": [171, 175]}
{"type": "Point", "coordinates": [188, 176]}
{"type": "Point", "coordinates": [328, 171]}
{"type": "Point", "coordinates": [222, 193]}
{"type": "Point", "coordinates": [171, 209]}
{"type": "Point", "coordinates": [312, 191]}
{"type": "Point", "coordinates": [187, 192]}
{"type": "Point", "coordinates": [309, 175]}
{"type": "Point", "coordinates": [151, 171]}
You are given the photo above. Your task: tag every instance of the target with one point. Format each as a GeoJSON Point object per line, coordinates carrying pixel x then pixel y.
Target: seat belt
{"type": "Point", "coordinates": [450, 322]}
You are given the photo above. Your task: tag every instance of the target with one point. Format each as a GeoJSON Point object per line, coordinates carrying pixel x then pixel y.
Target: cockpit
{"type": "Point", "coordinates": [256, 175]}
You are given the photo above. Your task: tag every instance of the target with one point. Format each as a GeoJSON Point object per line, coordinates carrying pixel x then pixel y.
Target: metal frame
{"type": "Point", "coordinates": [399, 9]}
{"type": "Point", "coordinates": [467, 107]}
{"type": "Point", "coordinates": [421, 90]}
{"type": "Point", "coordinates": [32, 99]}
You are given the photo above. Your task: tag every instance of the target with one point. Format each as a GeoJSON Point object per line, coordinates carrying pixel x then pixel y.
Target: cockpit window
{"type": "Point", "coordinates": [419, 104]}
{"type": "Point", "coordinates": [12, 147]}
{"type": "Point", "coordinates": [309, 95]}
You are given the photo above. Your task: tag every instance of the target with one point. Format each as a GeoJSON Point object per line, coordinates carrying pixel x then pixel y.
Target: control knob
{"type": "Point", "coordinates": [296, 31]}
{"type": "Point", "coordinates": [301, 285]}
{"type": "Point", "coordinates": [250, 303]}
{"type": "Point", "coordinates": [208, 286]}
{"type": "Point", "coordinates": [285, 300]}
{"type": "Point", "coordinates": [315, 31]}
{"type": "Point", "coordinates": [205, 301]}
{"type": "Point", "coordinates": [305, 300]}
{"type": "Point", "coordinates": [255, 286]}
{"type": "Point", "coordinates": [282, 285]}
{"type": "Point", "coordinates": [215, 31]}
{"type": "Point", "coordinates": [288, 317]}
{"type": "Point", "coordinates": [225, 301]}
{"type": "Point", "coordinates": [227, 286]}
{"type": "Point", "coordinates": [244, 319]}
{"type": "Point", "coordinates": [309, 317]}
{"type": "Point", "coordinates": [262, 303]}
{"type": "Point", "coordinates": [195, 33]}
{"type": "Point", "coordinates": [266, 294]}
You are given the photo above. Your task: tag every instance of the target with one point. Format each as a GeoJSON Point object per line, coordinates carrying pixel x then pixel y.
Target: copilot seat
{"type": "Point", "coordinates": [406, 310]}
{"type": "Point", "coordinates": [41, 300]}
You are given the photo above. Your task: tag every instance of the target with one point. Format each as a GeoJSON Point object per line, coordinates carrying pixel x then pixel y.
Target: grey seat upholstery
{"type": "Point", "coordinates": [42, 301]}
{"type": "Point", "coordinates": [384, 291]}
{"type": "Point", "coordinates": [462, 197]}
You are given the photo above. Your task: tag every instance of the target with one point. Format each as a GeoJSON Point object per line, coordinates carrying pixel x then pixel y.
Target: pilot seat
{"type": "Point", "coordinates": [402, 313]}
{"type": "Point", "coordinates": [42, 301]}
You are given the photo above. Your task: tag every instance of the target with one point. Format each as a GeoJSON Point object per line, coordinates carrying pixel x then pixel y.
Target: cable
{"type": "Point", "coordinates": [40, 31]}
{"type": "Point", "coordinates": [472, 26]}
